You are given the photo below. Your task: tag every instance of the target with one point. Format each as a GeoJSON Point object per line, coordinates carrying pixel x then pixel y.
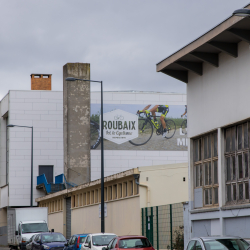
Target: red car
{"type": "Point", "coordinates": [129, 242]}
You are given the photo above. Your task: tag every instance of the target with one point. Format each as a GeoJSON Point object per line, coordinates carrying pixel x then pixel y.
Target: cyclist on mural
{"type": "Point", "coordinates": [164, 109]}
{"type": "Point", "coordinates": [185, 113]}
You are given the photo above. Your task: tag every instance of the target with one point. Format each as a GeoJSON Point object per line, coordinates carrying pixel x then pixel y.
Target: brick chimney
{"type": "Point", "coordinates": [41, 81]}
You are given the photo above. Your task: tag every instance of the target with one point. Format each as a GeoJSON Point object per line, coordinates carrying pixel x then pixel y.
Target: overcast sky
{"type": "Point", "coordinates": [121, 39]}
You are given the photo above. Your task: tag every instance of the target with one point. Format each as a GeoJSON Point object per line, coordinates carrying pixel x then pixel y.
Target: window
{"type": "Point", "coordinates": [110, 193]}
{"type": "Point", "coordinates": [237, 163]}
{"type": "Point", "coordinates": [84, 199]}
{"type": "Point", "coordinates": [119, 190]}
{"type": "Point", "coordinates": [110, 244]}
{"type": "Point", "coordinates": [105, 194]}
{"type": "Point", "coordinates": [73, 240]}
{"type": "Point", "coordinates": [92, 197]}
{"type": "Point", "coordinates": [48, 171]}
{"type": "Point", "coordinates": [115, 192]}
{"type": "Point", "coordinates": [206, 168]}
{"type": "Point", "coordinates": [88, 198]}
{"type": "Point", "coordinates": [134, 243]}
{"type": "Point", "coordinates": [131, 188]}
{"type": "Point", "coordinates": [96, 196]}
{"type": "Point", "coordinates": [80, 200]}
{"type": "Point", "coordinates": [198, 246]}
{"type": "Point", "coordinates": [113, 244]}
{"type": "Point", "coordinates": [191, 245]}
{"type": "Point", "coordinates": [125, 189]}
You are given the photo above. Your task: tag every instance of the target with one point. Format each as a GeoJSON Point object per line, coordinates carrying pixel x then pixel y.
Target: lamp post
{"type": "Point", "coordinates": [242, 12]}
{"type": "Point", "coordinates": [31, 185]}
{"type": "Point", "coordinates": [72, 79]}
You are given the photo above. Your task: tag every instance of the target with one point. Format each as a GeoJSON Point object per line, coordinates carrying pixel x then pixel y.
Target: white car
{"type": "Point", "coordinates": [97, 241]}
{"type": "Point", "coordinates": [218, 243]}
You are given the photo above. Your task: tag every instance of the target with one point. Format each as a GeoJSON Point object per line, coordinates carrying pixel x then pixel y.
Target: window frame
{"type": "Point", "coordinates": [236, 141]}
{"type": "Point", "coordinates": [205, 155]}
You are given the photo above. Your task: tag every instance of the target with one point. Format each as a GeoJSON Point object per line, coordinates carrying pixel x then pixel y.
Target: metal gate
{"type": "Point", "coordinates": [68, 218]}
{"type": "Point", "coordinates": [163, 226]}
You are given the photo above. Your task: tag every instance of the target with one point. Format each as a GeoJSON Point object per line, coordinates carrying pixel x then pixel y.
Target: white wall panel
{"type": "Point", "coordinates": [221, 95]}
{"type": "Point", "coordinates": [116, 161]}
{"type": "Point", "coordinates": [35, 107]}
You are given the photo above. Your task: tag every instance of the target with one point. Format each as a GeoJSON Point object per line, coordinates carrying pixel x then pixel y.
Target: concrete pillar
{"type": "Point", "coordinates": [76, 123]}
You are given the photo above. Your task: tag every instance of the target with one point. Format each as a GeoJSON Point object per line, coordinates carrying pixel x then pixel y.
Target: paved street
{"type": "Point", "coordinates": [4, 248]}
{"type": "Point", "coordinates": [157, 142]}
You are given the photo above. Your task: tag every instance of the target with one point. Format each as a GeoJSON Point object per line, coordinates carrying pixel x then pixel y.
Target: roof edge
{"type": "Point", "coordinates": [231, 20]}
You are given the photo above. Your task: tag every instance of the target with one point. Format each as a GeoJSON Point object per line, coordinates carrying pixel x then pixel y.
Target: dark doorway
{"type": "Point", "coordinates": [48, 171]}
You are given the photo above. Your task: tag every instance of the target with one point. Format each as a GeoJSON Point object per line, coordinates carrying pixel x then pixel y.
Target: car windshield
{"type": "Point", "coordinates": [226, 244]}
{"type": "Point", "coordinates": [134, 243]}
{"type": "Point", "coordinates": [102, 240]}
{"type": "Point", "coordinates": [82, 239]}
{"type": "Point", "coordinates": [34, 228]}
{"type": "Point", "coordinates": [47, 238]}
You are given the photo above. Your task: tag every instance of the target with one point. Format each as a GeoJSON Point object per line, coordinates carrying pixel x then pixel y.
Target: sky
{"type": "Point", "coordinates": [123, 40]}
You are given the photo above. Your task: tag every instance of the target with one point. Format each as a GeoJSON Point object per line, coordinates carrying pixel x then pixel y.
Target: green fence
{"type": "Point", "coordinates": [163, 226]}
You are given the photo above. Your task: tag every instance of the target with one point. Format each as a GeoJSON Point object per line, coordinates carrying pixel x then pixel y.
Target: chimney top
{"type": "Point", "coordinates": [41, 81]}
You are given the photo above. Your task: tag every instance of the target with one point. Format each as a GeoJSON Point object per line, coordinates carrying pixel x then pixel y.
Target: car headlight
{"type": "Point", "coordinates": [46, 247]}
{"type": "Point", "coordinates": [24, 239]}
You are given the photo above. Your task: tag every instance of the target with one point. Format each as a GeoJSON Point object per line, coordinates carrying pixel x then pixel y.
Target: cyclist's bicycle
{"type": "Point", "coordinates": [146, 127]}
{"type": "Point", "coordinates": [95, 137]}
{"type": "Point", "coordinates": [184, 126]}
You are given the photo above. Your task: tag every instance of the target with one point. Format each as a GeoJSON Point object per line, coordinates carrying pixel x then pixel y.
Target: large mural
{"type": "Point", "coordinates": [160, 127]}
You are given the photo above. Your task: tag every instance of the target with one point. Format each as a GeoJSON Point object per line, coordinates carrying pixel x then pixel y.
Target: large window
{"type": "Point", "coordinates": [206, 168]}
{"type": "Point", "coordinates": [237, 163]}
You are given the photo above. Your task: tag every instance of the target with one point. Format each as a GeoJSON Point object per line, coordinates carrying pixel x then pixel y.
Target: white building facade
{"type": "Point", "coordinates": [218, 128]}
{"type": "Point", "coordinates": [43, 110]}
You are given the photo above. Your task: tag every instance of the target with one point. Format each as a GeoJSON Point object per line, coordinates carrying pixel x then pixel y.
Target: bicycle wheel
{"type": "Point", "coordinates": [145, 132]}
{"type": "Point", "coordinates": [184, 126]}
{"type": "Point", "coordinates": [95, 137]}
{"type": "Point", "coordinates": [171, 128]}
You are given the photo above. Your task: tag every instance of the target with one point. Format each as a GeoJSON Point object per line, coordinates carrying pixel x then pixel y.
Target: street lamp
{"type": "Point", "coordinates": [31, 185]}
{"type": "Point", "coordinates": [72, 79]}
{"type": "Point", "coordinates": [242, 12]}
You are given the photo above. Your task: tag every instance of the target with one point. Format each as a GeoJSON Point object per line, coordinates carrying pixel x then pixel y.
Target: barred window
{"type": "Point", "coordinates": [206, 168]}
{"type": "Point", "coordinates": [237, 163]}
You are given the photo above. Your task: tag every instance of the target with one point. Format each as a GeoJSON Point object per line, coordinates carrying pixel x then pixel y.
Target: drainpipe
{"type": "Point", "coordinates": [137, 176]}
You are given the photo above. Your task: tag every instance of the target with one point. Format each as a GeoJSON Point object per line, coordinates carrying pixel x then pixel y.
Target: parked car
{"type": "Point", "coordinates": [132, 242]}
{"type": "Point", "coordinates": [29, 242]}
{"type": "Point", "coordinates": [97, 241]}
{"type": "Point", "coordinates": [218, 243]}
{"type": "Point", "coordinates": [48, 240]}
{"type": "Point", "coordinates": [75, 242]}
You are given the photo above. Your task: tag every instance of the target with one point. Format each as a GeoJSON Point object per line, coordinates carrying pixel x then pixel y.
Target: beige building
{"type": "Point", "coordinates": [76, 210]}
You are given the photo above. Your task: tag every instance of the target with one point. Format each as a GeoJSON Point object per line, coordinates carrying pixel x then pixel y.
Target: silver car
{"type": "Point", "coordinates": [218, 243]}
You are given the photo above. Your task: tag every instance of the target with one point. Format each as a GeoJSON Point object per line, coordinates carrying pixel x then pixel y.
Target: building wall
{"type": "Point", "coordinates": [137, 97]}
{"type": "Point", "coordinates": [56, 221]}
{"type": "Point", "coordinates": [221, 95]}
{"type": "Point", "coordinates": [124, 212]}
{"type": "Point", "coordinates": [216, 99]}
{"type": "Point", "coordinates": [42, 110]}
{"type": "Point", "coordinates": [120, 160]}
{"type": "Point", "coordinates": [161, 181]}
{"type": "Point", "coordinates": [4, 107]}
